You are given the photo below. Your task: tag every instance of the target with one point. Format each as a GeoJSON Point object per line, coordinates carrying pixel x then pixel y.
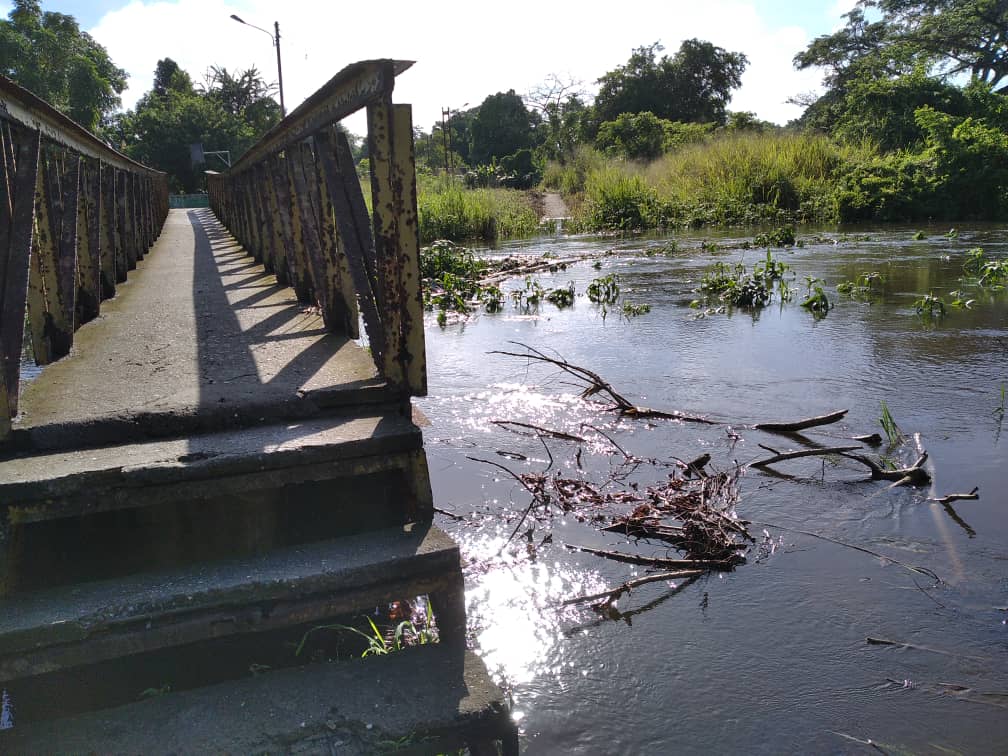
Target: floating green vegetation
{"type": "Point", "coordinates": [960, 299]}
{"type": "Point", "coordinates": [632, 310]}
{"type": "Point", "coordinates": [930, 306]}
{"type": "Point", "coordinates": [450, 278]}
{"type": "Point", "coordinates": [783, 236]}
{"type": "Point", "coordinates": [991, 274]}
{"type": "Point", "coordinates": [865, 286]}
{"type": "Point", "coordinates": [604, 290]}
{"type": "Point", "coordinates": [562, 297]}
{"type": "Point", "coordinates": [529, 297]}
{"type": "Point", "coordinates": [734, 286]}
{"type": "Point", "coordinates": [816, 300]}
{"type": "Point", "coordinates": [919, 236]}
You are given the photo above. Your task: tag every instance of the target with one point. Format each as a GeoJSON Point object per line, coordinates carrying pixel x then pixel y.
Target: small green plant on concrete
{"type": "Point", "coordinates": [1000, 409]}
{"type": "Point", "coordinates": [604, 290]}
{"type": "Point", "coordinates": [930, 306]}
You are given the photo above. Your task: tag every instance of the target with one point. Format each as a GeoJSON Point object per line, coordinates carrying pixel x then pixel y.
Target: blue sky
{"type": "Point", "coordinates": [462, 53]}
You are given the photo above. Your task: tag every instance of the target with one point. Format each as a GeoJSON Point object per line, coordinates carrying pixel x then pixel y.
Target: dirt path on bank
{"type": "Point", "coordinates": [553, 206]}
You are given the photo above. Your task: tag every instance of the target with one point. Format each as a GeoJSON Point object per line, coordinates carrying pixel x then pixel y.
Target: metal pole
{"type": "Point", "coordinates": [444, 137]}
{"type": "Point", "coordinates": [276, 41]}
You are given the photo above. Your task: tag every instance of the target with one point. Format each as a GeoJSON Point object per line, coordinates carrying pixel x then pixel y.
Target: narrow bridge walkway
{"type": "Point", "coordinates": [200, 336]}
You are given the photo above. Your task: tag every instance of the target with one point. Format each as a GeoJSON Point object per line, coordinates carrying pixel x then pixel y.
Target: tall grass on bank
{"type": "Point", "coordinates": [462, 214]}
{"type": "Point", "coordinates": [732, 178]}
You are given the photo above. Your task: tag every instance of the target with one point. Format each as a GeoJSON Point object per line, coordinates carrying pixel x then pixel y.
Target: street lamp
{"type": "Point", "coordinates": [276, 43]}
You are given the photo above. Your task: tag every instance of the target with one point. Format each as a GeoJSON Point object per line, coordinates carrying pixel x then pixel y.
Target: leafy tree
{"type": "Point", "coordinates": [638, 136]}
{"type": "Point", "coordinates": [169, 77]}
{"type": "Point", "coordinates": [693, 85]}
{"type": "Point", "coordinates": [48, 54]}
{"type": "Point", "coordinates": [957, 36]}
{"type": "Point", "coordinates": [501, 126]}
{"type": "Point", "coordinates": [230, 112]}
{"type": "Point", "coordinates": [880, 72]}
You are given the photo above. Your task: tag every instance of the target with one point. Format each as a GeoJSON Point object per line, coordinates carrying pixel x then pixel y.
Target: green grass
{"type": "Point", "coordinates": [461, 214]}
{"type": "Point", "coordinates": [729, 179]}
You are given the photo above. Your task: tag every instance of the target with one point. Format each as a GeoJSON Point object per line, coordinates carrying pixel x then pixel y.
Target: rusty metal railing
{"type": "Point", "coordinates": [75, 216]}
{"type": "Point", "coordinates": [294, 201]}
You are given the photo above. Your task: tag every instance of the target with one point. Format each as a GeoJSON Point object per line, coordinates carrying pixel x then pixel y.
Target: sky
{"type": "Point", "coordinates": [463, 51]}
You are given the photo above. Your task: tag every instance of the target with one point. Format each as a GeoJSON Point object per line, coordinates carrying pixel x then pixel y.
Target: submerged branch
{"type": "Point", "coordinates": [611, 596]}
{"type": "Point", "coordinates": [784, 456]}
{"type": "Point", "coordinates": [618, 556]}
{"type": "Point", "coordinates": [798, 425]}
{"type": "Point", "coordinates": [974, 494]}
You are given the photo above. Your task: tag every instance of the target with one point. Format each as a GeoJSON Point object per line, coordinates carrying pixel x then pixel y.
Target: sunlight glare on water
{"type": "Point", "coordinates": [515, 604]}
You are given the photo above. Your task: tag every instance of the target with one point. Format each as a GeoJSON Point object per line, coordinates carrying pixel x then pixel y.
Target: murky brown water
{"type": "Point", "coordinates": [772, 657]}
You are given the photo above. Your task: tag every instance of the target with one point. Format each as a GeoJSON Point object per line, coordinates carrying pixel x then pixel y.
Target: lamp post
{"type": "Point", "coordinates": [276, 43]}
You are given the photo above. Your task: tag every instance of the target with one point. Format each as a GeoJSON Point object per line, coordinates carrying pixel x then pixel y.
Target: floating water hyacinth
{"type": "Point", "coordinates": [6, 712]}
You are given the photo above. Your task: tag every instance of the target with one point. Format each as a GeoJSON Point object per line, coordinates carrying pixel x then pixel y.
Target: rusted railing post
{"type": "Point", "coordinates": [295, 202]}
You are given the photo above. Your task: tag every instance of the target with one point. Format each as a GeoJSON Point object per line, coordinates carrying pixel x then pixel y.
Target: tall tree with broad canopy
{"type": "Point", "coordinates": [943, 37]}
{"type": "Point", "coordinates": [693, 85]}
{"type": "Point", "coordinates": [895, 56]}
{"type": "Point", "coordinates": [501, 126]}
{"type": "Point", "coordinates": [48, 54]}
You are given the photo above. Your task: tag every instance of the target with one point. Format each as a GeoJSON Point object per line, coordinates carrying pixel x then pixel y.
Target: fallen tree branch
{"type": "Point", "coordinates": [594, 384]}
{"type": "Point", "coordinates": [974, 494]}
{"type": "Point", "coordinates": [521, 269]}
{"type": "Point", "coordinates": [611, 596]}
{"type": "Point", "coordinates": [913, 646]}
{"type": "Point", "coordinates": [915, 474]}
{"type": "Point", "coordinates": [618, 556]}
{"type": "Point", "coordinates": [784, 456]}
{"type": "Point", "coordinates": [798, 425]}
{"type": "Point", "coordinates": [910, 567]}
{"type": "Point", "coordinates": [537, 430]}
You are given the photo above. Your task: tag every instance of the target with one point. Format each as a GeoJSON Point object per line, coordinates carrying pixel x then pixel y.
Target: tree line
{"type": "Point", "coordinates": [922, 82]}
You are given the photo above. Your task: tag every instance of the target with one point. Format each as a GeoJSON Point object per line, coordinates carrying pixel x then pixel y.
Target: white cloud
{"type": "Point", "coordinates": [462, 53]}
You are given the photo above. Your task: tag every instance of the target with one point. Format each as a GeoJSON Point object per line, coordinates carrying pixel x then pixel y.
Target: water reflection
{"type": "Point", "coordinates": [515, 604]}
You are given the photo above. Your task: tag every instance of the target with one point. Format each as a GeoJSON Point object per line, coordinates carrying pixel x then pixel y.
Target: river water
{"type": "Point", "coordinates": [771, 657]}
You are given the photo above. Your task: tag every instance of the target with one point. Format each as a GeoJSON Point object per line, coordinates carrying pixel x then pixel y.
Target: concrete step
{"type": "Point", "coordinates": [58, 484]}
{"type": "Point", "coordinates": [426, 699]}
{"type": "Point", "coordinates": [70, 516]}
{"type": "Point", "coordinates": [56, 629]}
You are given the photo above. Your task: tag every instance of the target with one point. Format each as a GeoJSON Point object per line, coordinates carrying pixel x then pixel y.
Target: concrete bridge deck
{"type": "Point", "coordinates": [200, 337]}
